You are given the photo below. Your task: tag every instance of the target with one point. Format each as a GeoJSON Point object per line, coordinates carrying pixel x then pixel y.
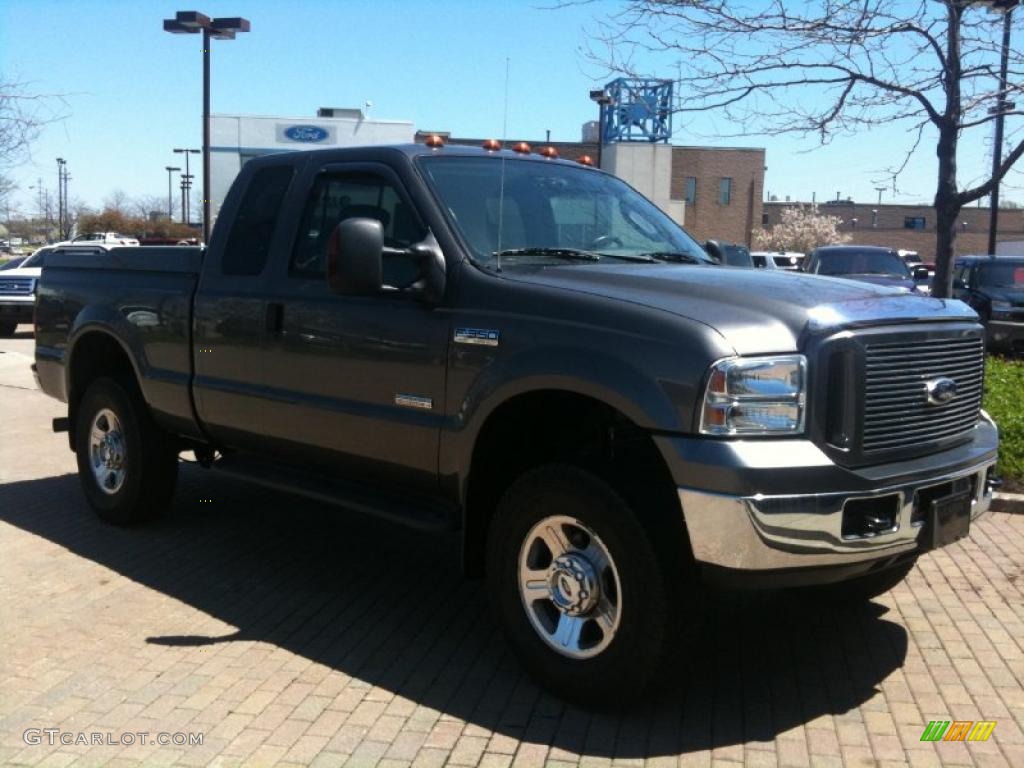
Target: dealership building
{"type": "Point", "coordinates": [715, 192]}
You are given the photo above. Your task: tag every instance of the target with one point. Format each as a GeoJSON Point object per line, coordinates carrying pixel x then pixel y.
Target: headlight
{"type": "Point", "coordinates": [1002, 310]}
{"type": "Point", "coordinates": [756, 396]}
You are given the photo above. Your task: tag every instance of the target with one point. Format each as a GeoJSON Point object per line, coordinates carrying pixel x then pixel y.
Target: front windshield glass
{"type": "Point", "coordinates": [1009, 274]}
{"type": "Point", "coordinates": [544, 212]}
{"type": "Point", "coordinates": [36, 259]}
{"type": "Point", "coordinates": [854, 262]}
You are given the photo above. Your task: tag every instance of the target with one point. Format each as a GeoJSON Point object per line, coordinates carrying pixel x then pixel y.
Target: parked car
{"type": "Point", "coordinates": [994, 287]}
{"type": "Point", "coordinates": [610, 422]}
{"type": "Point", "coordinates": [864, 263]}
{"type": "Point", "coordinates": [788, 261]}
{"type": "Point", "coordinates": [103, 238]}
{"type": "Point", "coordinates": [18, 286]}
{"type": "Point", "coordinates": [729, 254]}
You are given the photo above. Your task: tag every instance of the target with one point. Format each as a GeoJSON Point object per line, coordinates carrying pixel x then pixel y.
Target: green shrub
{"type": "Point", "coordinates": [1004, 401]}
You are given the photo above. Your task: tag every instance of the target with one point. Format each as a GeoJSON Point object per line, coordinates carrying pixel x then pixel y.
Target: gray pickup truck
{"type": "Point", "coordinates": [527, 351]}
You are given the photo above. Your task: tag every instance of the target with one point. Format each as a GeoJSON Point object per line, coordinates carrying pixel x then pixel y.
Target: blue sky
{"type": "Point", "coordinates": [132, 92]}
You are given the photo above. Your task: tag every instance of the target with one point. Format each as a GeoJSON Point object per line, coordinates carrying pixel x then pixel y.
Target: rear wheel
{"type": "Point", "coordinates": [127, 465]}
{"type": "Point", "coordinates": [578, 586]}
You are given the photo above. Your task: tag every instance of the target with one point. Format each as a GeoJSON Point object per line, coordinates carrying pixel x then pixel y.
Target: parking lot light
{"type": "Point", "coordinates": [224, 28]}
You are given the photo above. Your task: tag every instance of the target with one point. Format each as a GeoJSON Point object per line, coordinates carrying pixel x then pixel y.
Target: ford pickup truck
{"type": "Point", "coordinates": [526, 351]}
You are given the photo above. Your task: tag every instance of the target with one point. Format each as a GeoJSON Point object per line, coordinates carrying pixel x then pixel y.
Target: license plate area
{"type": "Point", "coordinates": [949, 520]}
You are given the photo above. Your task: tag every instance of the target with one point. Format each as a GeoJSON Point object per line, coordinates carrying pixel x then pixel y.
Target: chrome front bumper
{"type": "Point", "coordinates": [763, 532]}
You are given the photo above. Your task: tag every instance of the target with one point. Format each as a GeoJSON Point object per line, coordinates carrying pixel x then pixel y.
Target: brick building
{"type": "Point", "coordinates": [910, 227]}
{"type": "Point", "coordinates": [723, 189]}
{"type": "Point", "coordinates": [715, 192]}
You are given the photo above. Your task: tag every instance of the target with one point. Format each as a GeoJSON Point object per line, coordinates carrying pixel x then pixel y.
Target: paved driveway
{"type": "Point", "coordinates": [286, 632]}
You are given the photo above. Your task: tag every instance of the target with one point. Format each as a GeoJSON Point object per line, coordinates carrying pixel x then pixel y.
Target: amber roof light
{"type": "Point", "coordinates": [522, 148]}
{"type": "Point", "coordinates": [434, 141]}
{"type": "Point", "coordinates": [585, 160]}
{"type": "Point", "coordinates": [491, 145]}
{"type": "Point", "coordinates": [549, 152]}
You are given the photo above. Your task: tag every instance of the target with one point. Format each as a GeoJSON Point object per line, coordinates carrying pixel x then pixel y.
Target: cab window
{"type": "Point", "coordinates": [357, 195]}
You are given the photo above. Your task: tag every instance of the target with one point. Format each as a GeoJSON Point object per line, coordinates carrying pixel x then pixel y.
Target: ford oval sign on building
{"type": "Point", "coordinates": [305, 134]}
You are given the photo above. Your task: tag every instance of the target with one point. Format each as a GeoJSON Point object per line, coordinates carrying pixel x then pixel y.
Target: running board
{"type": "Point", "coordinates": [415, 512]}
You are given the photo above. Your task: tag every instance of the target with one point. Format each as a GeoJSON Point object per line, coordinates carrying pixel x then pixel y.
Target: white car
{"type": "Point", "coordinates": [18, 285]}
{"type": "Point", "coordinates": [789, 261]}
{"type": "Point", "coordinates": [102, 238]}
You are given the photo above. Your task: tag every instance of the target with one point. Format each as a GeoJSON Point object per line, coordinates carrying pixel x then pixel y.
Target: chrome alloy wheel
{"type": "Point", "coordinates": [106, 451]}
{"type": "Point", "coordinates": [569, 587]}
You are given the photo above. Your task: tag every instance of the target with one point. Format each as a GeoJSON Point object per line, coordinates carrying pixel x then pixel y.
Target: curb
{"type": "Point", "coordinates": [1008, 502]}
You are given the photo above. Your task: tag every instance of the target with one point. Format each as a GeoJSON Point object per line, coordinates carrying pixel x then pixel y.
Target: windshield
{"type": "Point", "coordinates": [1009, 274]}
{"type": "Point", "coordinates": [549, 211]}
{"type": "Point", "coordinates": [854, 262]}
{"type": "Point", "coordinates": [36, 259]}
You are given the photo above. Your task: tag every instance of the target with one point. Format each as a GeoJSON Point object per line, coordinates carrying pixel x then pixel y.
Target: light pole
{"type": "Point", "coordinates": [192, 22]}
{"type": "Point", "coordinates": [170, 169]}
{"type": "Point", "coordinates": [186, 185]}
{"type": "Point", "coordinates": [602, 98]}
{"type": "Point", "coordinates": [879, 190]}
{"type": "Point", "coordinates": [187, 216]}
{"type": "Point", "coordinates": [999, 110]}
{"type": "Point", "coordinates": [61, 162]}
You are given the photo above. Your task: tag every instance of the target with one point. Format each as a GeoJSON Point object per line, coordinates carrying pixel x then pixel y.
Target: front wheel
{"type": "Point", "coordinates": [127, 466]}
{"type": "Point", "coordinates": [578, 586]}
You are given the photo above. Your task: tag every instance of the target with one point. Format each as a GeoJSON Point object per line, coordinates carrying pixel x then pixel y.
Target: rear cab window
{"type": "Point", "coordinates": [252, 231]}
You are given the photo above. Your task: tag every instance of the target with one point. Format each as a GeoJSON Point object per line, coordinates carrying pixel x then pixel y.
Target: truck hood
{"type": "Point", "coordinates": [756, 311]}
{"type": "Point", "coordinates": [892, 281]}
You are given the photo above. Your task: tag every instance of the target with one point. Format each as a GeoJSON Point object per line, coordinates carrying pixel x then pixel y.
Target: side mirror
{"type": "Point", "coordinates": [921, 273]}
{"type": "Point", "coordinates": [354, 251]}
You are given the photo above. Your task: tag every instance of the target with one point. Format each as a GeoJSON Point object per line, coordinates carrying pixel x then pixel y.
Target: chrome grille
{"type": "Point", "coordinates": [897, 413]}
{"type": "Point", "coordinates": [16, 286]}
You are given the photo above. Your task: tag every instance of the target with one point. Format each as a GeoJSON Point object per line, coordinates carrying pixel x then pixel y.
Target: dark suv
{"type": "Point", "coordinates": [994, 287]}
{"type": "Point", "coordinates": [865, 263]}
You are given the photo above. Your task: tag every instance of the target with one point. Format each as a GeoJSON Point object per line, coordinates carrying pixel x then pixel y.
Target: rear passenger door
{"type": "Point", "coordinates": [231, 306]}
{"type": "Point", "coordinates": [357, 381]}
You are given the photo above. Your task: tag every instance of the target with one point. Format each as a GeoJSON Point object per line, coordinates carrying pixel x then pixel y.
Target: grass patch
{"type": "Point", "coordinates": [1004, 401]}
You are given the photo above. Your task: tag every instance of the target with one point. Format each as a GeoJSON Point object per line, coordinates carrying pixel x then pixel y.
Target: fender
{"type": "Point", "coordinates": [599, 376]}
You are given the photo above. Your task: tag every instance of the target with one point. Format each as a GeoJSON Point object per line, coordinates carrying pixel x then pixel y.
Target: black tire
{"type": "Point", "coordinates": [628, 665]}
{"type": "Point", "coordinates": [7, 329]}
{"type": "Point", "coordinates": [866, 588]}
{"type": "Point", "coordinates": [150, 462]}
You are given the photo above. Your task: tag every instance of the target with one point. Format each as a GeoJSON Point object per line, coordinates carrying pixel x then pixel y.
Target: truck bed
{"type": "Point", "coordinates": [142, 294]}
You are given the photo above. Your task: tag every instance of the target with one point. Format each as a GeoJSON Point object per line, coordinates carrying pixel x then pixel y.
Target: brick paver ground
{"type": "Point", "coordinates": [288, 633]}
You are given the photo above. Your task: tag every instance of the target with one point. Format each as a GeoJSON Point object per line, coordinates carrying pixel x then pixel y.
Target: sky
{"type": "Point", "coordinates": [128, 92]}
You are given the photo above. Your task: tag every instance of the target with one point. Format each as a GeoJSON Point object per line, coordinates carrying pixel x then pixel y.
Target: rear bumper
{"type": "Point", "coordinates": [796, 536]}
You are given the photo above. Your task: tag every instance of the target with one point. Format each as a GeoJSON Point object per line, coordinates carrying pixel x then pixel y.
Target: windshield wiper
{"type": "Point", "coordinates": [570, 254]}
{"type": "Point", "coordinates": [678, 256]}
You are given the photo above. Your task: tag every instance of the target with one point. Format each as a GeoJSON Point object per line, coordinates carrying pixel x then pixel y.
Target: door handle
{"type": "Point", "coordinates": [274, 320]}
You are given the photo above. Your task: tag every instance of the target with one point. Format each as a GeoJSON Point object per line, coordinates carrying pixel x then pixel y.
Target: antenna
{"type": "Point", "coordinates": [501, 184]}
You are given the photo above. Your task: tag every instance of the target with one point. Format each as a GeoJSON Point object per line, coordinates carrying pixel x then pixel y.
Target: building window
{"type": "Point", "coordinates": [913, 222]}
{"type": "Point", "coordinates": [690, 190]}
{"type": "Point", "coordinates": [725, 191]}
{"type": "Point", "coordinates": [764, 221]}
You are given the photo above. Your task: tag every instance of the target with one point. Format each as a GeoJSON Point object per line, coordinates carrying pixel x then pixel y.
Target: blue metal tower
{"type": "Point", "coordinates": [638, 110]}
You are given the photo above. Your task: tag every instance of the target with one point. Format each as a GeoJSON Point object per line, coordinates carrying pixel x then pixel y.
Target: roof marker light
{"type": "Point", "coordinates": [549, 152]}
{"type": "Point", "coordinates": [434, 141]}
{"type": "Point", "coordinates": [522, 148]}
{"type": "Point", "coordinates": [585, 160]}
{"type": "Point", "coordinates": [491, 145]}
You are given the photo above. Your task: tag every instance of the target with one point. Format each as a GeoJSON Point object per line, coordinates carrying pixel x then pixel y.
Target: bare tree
{"type": "Point", "coordinates": [117, 202]}
{"type": "Point", "coordinates": [833, 67]}
{"type": "Point", "coordinates": [23, 114]}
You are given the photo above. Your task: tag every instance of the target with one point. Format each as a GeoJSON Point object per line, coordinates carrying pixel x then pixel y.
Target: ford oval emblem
{"type": "Point", "coordinates": [940, 390]}
{"type": "Point", "coordinates": [308, 134]}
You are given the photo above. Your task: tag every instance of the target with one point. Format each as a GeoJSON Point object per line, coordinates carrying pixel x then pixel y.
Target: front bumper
{"type": "Point", "coordinates": [1005, 334]}
{"type": "Point", "coordinates": [752, 528]}
{"type": "Point", "coordinates": [19, 309]}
